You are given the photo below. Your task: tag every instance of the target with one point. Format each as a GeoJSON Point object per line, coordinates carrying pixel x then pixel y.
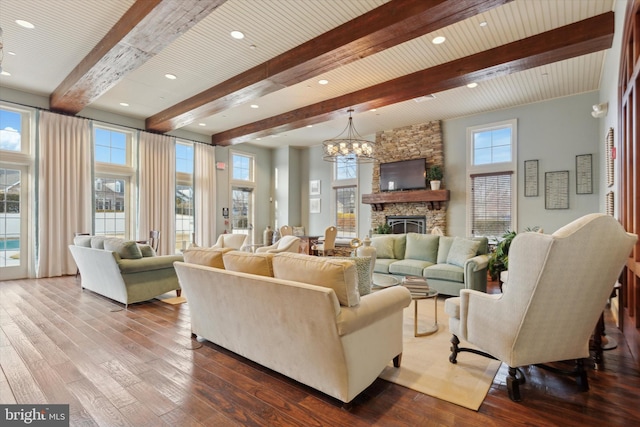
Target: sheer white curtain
{"type": "Point", "coordinates": [157, 189]}
{"type": "Point", "coordinates": [64, 190]}
{"type": "Point", "coordinates": [204, 177]}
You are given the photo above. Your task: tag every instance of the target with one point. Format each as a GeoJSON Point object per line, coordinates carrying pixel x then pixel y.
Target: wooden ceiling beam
{"type": "Point", "coordinates": [581, 38]}
{"type": "Point", "coordinates": [386, 26]}
{"type": "Point", "coordinates": [142, 32]}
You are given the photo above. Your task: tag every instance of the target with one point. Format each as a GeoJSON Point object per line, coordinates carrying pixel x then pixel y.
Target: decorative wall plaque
{"type": "Point", "coordinates": [530, 178]}
{"type": "Point", "coordinates": [556, 190]}
{"type": "Point", "coordinates": [584, 174]}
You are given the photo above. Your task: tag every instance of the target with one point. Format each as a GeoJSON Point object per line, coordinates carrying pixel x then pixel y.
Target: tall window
{"type": "Point", "coordinates": [11, 125]}
{"type": "Point", "coordinates": [345, 186]}
{"type": "Point", "coordinates": [242, 194]}
{"type": "Point", "coordinates": [184, 194]}
{"type": "Point", "coordinates": [491, 168]}
{"type": "Point", "coordinates": [113, 177]}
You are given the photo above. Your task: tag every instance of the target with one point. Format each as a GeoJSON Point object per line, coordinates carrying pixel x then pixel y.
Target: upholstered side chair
{"type": "Point", "coordinates": [558, 287]}
{"type": "Point", "coordinates": [285, 244]}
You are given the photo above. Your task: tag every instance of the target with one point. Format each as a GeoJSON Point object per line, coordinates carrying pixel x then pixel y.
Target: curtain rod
{"type": "Point", "coordinates": [101, 121]}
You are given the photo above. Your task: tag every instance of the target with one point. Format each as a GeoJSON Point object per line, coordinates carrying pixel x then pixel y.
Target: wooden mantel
{"type": "Point", "coordinates": [433, 198]}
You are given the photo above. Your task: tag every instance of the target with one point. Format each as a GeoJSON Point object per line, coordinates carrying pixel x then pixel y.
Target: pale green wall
{"type": "Point", "coordinates": [553, 132]}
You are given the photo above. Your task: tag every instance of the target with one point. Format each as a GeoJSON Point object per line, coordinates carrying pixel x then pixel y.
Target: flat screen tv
{"type": "Point", "coordinates": [403, 175]}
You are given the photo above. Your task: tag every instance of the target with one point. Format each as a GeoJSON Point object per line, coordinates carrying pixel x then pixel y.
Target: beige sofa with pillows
{"type": "Point", "coordinates": [448, 263]}
{"type": "Point", "coordinates": [123, 270]}
{"type": "Point", "coordinates": [299, 315]}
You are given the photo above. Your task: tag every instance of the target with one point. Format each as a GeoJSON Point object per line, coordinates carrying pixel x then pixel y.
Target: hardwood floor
{"type": "Point", "coordinates": [59, 344]}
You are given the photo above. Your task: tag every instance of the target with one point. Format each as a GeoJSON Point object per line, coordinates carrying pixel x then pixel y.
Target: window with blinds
{"type": "Point", "coordinates": [491, 210]}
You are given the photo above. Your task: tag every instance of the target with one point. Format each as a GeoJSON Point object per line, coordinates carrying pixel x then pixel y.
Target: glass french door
{"type": "Point", "coordinates": [14, 247]}
{"type": "Point", "coordinates": [242, 212]}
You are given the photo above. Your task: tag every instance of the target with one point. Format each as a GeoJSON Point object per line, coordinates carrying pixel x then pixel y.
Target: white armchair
{"type": "Point", "coordinates": [235, 241]}
{"type": "Point", "coordinates": [558, 286]}
{"type": "Point", "coordinates": [285, 244]}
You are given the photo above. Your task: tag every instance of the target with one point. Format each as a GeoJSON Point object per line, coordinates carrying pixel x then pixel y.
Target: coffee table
{"type": "Point", "coordinates": [384, 280]}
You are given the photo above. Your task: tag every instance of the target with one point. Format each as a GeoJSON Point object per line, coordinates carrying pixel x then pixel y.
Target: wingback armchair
{"type": "Point", "coordinates": [234, 241]}
{"type": "Point", "coordinates": [285, 244]}
{"type": "Point", "coordinates": [558, 286]}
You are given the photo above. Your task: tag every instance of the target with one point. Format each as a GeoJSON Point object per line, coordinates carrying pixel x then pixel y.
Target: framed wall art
{"type": "Point", "coordinates": [314, 205]}
{"type": "Point", "coordinates": [530, 178]}
{"type": "Point", "coordinates": [610, 153]}
{"type": "Point", "coordinates": [584, 174]}
{"type": "Point", "coordinates": [314, 187]}
{"type": "Point", "coordinates": [556, 190]}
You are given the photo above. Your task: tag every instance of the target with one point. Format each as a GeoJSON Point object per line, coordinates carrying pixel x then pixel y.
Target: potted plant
{"type": "Point", "coordinates": [382, 229]}
{"type": "Point", "coordinates": [434, 175]}
{"type": "Point", "coordinates": [499, 258]}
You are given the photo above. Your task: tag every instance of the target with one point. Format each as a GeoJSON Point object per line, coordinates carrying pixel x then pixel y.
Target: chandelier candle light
{"type": "Point", "coordinates": [348, 144]}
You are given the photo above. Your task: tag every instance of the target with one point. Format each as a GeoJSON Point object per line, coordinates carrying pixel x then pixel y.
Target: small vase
{"type": "Point", "coordinates": [267, 236]}
{"type": "Point", "coordinates": [435, 185]}
{"type": "Point", "coordinates": [367, 250]}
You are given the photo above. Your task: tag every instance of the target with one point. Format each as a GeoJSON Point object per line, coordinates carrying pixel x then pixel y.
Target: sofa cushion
{"type": "Point", "coordinates": [363, 267]}
{"type": "Point", "coordinates": [339, 275]}
{"type": "Point", "coordinates": [97, 242]}
{"type": "Point", "coordinates": [211, 257]}
{"type": "Point", "coordinates": [422, 247]}
{"type": "Point", "coordinates": [127, 249]}
{"type": "Point", "coordinates": [409, 267]}
{"type": "Point", "coordinates": [483, 249]}
{"type": "Point", "coordinates": [146, 250]}
{"type": "Point", "coordinates": [384, 246]}
{"type": "Point", "coordinates": [382, 265]}
{"type": "Point", "coordinates": [84, 241]}
{"type": "Point", "coordinates": [461, 250]}
{"type": "Point", "coordinates": [247, 262]}
{"type": "Point", "coordinates": [448, 272]}
{"type": "Point", "coordinates": [444, 245]}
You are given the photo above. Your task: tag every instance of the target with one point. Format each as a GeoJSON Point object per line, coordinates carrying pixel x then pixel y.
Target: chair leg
{"type": "Point", "coordinates": [454, 349]}
{"type": "Point", "coordinates": [397, 360]}
{"type": "Point", "coordinates": [513, 385]}
{"type": "Point", "coordinates": [178, 292]}
{"type": "Point", "coordinates": [581, 376]}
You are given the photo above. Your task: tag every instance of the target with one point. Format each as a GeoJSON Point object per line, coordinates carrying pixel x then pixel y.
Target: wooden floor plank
{"type": "Point", "coordinates": [137, 367]}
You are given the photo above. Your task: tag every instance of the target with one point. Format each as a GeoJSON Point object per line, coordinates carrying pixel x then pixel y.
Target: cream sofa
{"type": "Point", "coordinates": [299, 315]}
{"type": "Point", "coordinates": [125, 271]}
{"type": "Point", "coordinates": [448, 263]}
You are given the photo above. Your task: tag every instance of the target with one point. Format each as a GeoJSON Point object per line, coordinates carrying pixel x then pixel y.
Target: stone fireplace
{"type": "Point", "coordinates": [410, 142]}
{"type": "Point", "coordinates": [407, 224]}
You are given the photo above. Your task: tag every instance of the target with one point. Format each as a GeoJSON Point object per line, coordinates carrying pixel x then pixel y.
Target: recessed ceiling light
{"type": "Point", "coordinates": [5, 73]}
{"type": "Point", "coordinates": [202, 124]}
{"type": "Point", "coordinates": [472, 85]}
{"type": "Point", "coordinates": [25, 24]}
{"type": "Point", "coordinates": [374, 109]}
{"type": "Point", "coordinates": [323, 82]}
{"type": "Point", "coordinates": [483, 24]}
{"type": "Point", "coordinates": [124, 104]}
{"type": "Point", "coordinates": [438, 40]}
{"type": "Point", "coordinates": [237, 35]}
{"type": "Point", "coordinates": [252, 46]}
{"type": "Point", "coordinates": [171, 76]}
{"type": "Point", "coordinates": [11, 53]}
{"type": "Point", "coordinates": [255, 106]}
{"type": "Point", "coordinates": [258, 139]}
{"type": "Point", "coordinates": [309, 126]}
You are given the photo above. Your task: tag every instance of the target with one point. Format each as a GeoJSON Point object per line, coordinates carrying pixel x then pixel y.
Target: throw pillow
{"type": "Point", "coordinates": [127, 249]}
{"type": "Point", "coordinates": [339, 275]}
{"type": "Point", "coordinates": [246, 262]}
{"type": "Point", "coordinates": [461, 250]}
{"type": "Point", "coordinates": [363, 268]}
{"type": "Point", "coordinates": [84, 241]}
{"type": "Point", "coordinates": [97, 242]}
{"type": "Point", "coordinates": [384, 246]}
{"type": "Point", "coordinates": [444, 245]}
{"type": "Point", "coordinates": [211, 257]}
{"type": "Point", "coordinates": [146, 250]}
{"type": "Point", "coordinates": [298, 231]}
{"type": "Point", "coordinates": [422, 247]}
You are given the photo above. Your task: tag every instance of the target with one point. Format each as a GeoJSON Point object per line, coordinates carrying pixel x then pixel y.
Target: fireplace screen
{"type": "Point", "coordinates": [407, 224]}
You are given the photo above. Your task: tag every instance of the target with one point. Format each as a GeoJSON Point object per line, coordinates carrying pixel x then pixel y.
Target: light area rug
{"type": "Point", "coordinates": [171, 299]}
{"type": "Point", "coordinates": [425, 365]}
